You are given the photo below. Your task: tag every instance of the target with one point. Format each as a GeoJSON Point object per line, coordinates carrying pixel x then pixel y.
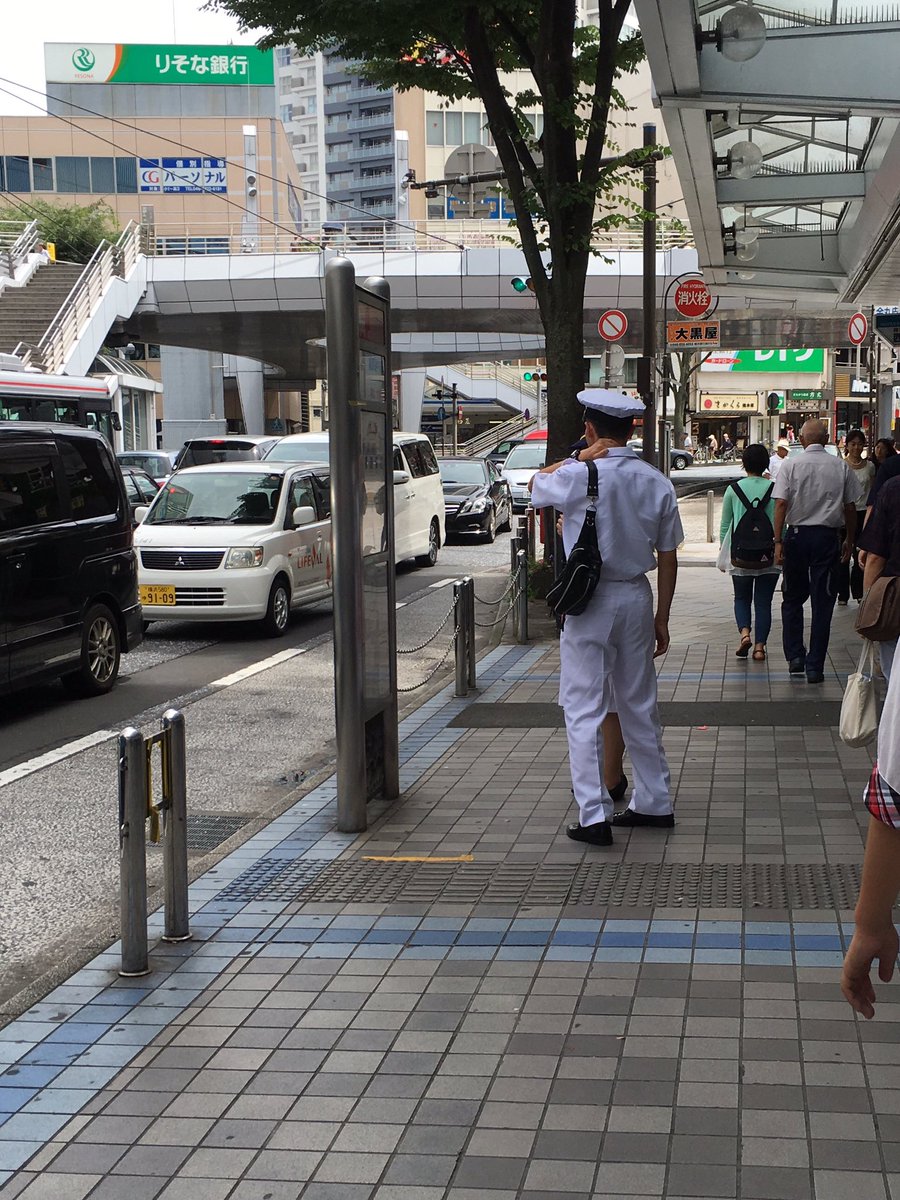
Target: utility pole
{"type": "Point", "coordinates": [455, 414]}
{"type": "Point", "coordinates": [647, 364]}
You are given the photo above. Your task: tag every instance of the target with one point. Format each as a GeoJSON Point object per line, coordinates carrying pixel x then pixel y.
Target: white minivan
{"type": "Point", "coordinates": [418, 492]}
{"type": "Point", "coordinates": [237, 541]}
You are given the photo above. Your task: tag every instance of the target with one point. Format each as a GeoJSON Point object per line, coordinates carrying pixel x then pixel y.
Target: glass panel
{"type": "Point", "coordinates": [27, 490]}
{"type": "Point", "coordinates": [434, 128]}
{"type": "Point", "coordinates": [42, 174]}
{"type": "Point", "coordinates": [18, 175]}
{"type": "Point", "coordinates": [102, 178]}
{"type": "Point", "coordinates": [126, 175]}
{"type": "Point", "coordinates": [453, 127]}
{"type": "Point", "coordinates": [73, 174]}
{"type": "Point", "coordinates": [376, 642]}
{"type": "Point", "coordinates": [93, 489]}
{"type": "Point", "coordinates": [373, 531]}
{"type": "Point", "coordinates": [472, 127]}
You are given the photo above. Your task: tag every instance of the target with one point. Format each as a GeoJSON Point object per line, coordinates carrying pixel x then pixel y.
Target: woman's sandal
{"type": "Point", "coordinates": [744, 648]}
{"type": "Point", "coordinates": [759, 654]}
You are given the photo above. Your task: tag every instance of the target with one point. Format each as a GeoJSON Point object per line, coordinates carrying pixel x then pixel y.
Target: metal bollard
{"type": "Point", "coordinates": [532, 534]}
{"type": "Point", "coordinates": [522, 602]}
{"type": "Point", "coordinates": [470, 616]}
{"type": "Point", "coordinates": [461, 611]}
{"type": "Point", "coordinates": [710, 516]}
{"type": "Point", "coordinates": [513, 553]}
{"type": "Point", "coordinates": [132, 853]}
{"type": "Point", "coordinates": [175, 854]}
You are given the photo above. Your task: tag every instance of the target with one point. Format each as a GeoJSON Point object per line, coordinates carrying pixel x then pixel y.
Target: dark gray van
{"type": "Point", "coordinates": [68, 575]}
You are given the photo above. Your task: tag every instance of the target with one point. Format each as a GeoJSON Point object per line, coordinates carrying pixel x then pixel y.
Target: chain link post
{"type": "Point", "coordinates": [175, 851]}
{"type": "Point", "coordinates": [461, 639]}
{"type": "Point", "coordinates": [513, 553]}
{"type": "Point", "coordinates": [470, 623]}
{"type": "Point", "coordinates": [132, 853]}
{"type": "Point", "coordinates": [710, 516]}
{"type": "Point", "coordinates": [522, 599]}
{"type": "Point", "coordinates": [532, 534]}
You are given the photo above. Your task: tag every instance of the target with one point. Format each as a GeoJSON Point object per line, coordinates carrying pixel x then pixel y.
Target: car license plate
{"type": "Point", "coordinates": [158, 595]}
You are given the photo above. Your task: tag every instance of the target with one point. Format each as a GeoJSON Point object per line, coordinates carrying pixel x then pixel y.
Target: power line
{"type": "Point", "coordinates": [184, 146]}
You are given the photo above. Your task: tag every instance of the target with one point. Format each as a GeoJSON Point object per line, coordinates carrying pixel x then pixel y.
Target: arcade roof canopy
{"type": "Point", "coordinates": [784, 123]}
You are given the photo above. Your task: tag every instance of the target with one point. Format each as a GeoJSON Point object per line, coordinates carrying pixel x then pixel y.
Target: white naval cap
{"type": "Point", "coordinates": [612, 404]}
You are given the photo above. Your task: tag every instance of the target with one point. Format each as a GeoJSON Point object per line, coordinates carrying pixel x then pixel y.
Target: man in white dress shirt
{"type": "Point", "coordinates": [612, 644]}
{"type": "Point", "coordinates": [779, 458]}
{"type": "Point", "coordinates": [815, 497]}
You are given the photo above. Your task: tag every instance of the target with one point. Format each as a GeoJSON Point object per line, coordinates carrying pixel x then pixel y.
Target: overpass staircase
{"type": "Point", "coordinates": [27, 312]}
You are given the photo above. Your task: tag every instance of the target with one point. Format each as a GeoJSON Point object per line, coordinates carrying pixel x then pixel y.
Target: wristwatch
{"type": "Point", "coordinates": [576, 453]}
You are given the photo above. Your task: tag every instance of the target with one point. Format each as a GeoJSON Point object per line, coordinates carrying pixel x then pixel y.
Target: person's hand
{"type": "Point", "coordinates": [861, 557]}
{"type": "Point", "coordinates": [598, 449]}
{"type": "Point", "coordinates": [559, 523]}
{"type": "Point", "coordinates": [779, 554]}
{"type": "Point", "coordinates": [856, 982]}
{"type": "Point", "coordinates": [661, 630]}
{"type": "Point", "coordinates": [846, 551]}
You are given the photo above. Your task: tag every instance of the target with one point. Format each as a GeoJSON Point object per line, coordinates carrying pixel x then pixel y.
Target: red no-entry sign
{"type": "Point", "coordinates": [612, 325]}
{"type": "Point", "coordinates": [857, 328]}
{"type": "Point", "coordinates": [693, 298]}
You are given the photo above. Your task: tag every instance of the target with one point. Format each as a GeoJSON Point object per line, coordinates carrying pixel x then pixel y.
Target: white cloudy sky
{"type": "Point", "coordinates": [27, 24]}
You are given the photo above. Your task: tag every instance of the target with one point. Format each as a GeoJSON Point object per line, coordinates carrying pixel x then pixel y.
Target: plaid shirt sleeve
{"type": "Point", "coordinates": [882, 801]}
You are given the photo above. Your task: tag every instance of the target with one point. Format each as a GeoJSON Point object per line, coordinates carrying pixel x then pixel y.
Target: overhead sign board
{"type": "Point", "coordinates": [806, 395]}
{"type": "Point", "coordinates": [722, 402]}
{"type": "Point", "coordinates": [692, 298]}
{"type": "Point", "coordinates": [182, 175]}
{"type": "Point", "coordinates": [118, 62]}
{"type": "Point", "coordinates": [767, 362]}
{"type": "Point", "coordinates": [692, 333]}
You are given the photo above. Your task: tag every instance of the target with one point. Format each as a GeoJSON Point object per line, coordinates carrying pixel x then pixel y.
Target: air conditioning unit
{"type": "Point", "coordinates": [300, 139]}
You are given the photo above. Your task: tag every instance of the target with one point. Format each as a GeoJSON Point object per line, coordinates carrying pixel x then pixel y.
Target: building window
{"type": "Point", "coordinates": [453, 128]}
{"type": "Point", "coordinates": [472, 127]}
{"type": "Point", "coordinates": [435, 210]}
{"type": "Point", "coordinates": [102, 176]}
{"type": "Point", "coordinates": [152, 350]}
{"type": "Point", "coordinates": [18, 176]}
{"type": "Point", "coordinates": [283, 56]}
{"type": "Point", "coordinates": [311, 106]}
{"type": "Point", "coordinates": [126, 175]}
{"type": "Point", "coordinates": [434, 128]}
{"type": "Point", "coordinates": [286, 113]}
{"type": "Point", "coordinates": [73, 174]}
{"type": "Point", "coordinates": [42, 174]}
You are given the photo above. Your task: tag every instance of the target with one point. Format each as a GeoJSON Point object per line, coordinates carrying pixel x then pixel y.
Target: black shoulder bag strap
{"type": "Point", "coordinates": [593, 491]}
{"type": "Point", "coordinates": [752, 505]}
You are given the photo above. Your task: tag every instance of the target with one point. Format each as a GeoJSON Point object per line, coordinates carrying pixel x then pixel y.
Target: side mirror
{"type": "Point", "coordinates": [400, 477]}
{"type": "Point", "coordinates": [140, 512]}
{"type": "Point", "coordinates": [305, 515]}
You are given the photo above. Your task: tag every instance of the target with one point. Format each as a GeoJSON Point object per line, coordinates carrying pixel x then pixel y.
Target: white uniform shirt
{"type": "Point", "coordinates": [776, 462]}
{"type": "Point", "coordinates": [816, 487]}
{"type": "Point", "coordinates": [636, 510]}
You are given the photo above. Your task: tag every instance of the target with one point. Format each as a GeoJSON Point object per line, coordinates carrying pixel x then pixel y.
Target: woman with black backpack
{"type": "Point", "coordinates": [747, 534]}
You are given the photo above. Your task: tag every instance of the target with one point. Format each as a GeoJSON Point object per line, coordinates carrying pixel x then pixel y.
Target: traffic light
{"type": "Point", "coordinates": [522, 285]}
{"type": "Point", "coordinates": [534, 376]}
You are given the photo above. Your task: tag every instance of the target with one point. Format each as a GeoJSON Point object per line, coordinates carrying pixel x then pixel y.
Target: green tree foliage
{"type": "Point", "coordinates": [565, 186]}
{"type": "Point", "coordinates": [75, 229]}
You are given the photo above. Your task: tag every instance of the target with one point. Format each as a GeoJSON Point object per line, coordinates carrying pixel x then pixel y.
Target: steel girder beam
{"type": "Point", "coordinates": [792, 190]}
{"type": "Point", "coordinates": [834, 67]}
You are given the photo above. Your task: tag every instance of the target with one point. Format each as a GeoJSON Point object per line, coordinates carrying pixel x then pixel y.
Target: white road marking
{"type": "Point", "coordinates": [400, 604]}
{"type": "Point", "coordinates": [22, 769]}
{"type": "Point", "coordinates": [257, 668]}
{"type": "Point", "coordinates": [443, 583]}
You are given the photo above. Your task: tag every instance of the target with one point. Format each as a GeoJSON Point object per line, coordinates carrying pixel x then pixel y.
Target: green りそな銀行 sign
{"type": "Point", "coordinates": [117, 62]}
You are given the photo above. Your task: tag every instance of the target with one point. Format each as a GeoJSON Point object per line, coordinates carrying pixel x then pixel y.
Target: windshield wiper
{"type": "Point", "coordinates": [191, 521]}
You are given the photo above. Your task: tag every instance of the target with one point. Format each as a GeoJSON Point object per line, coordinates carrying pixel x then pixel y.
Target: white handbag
{"type": "Point", "coordinates": [859, 710]}
{"type": "Point", "coordinates": [723, 561]}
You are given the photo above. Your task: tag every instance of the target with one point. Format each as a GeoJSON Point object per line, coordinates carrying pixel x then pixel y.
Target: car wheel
{"type": "Point", "coordinates": [434, 543]}
{"type": "Point", "coordinates": [101, 654]}
{"type": "Point", "coordinates": [490, 530]}
{"type": "Point", "coordinates": [679, 463]}
{"type": "Point", "coordinates": [506, 527]}
{"type": "Point", "coordinates": [278, 610]}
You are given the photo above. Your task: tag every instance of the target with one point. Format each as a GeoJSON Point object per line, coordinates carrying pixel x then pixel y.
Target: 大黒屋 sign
{"type": "Point", "coordinates": [117, 62]}
{"type": "Point", "coordinates": [182, 175]}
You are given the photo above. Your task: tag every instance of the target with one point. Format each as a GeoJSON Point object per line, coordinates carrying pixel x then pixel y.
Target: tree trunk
{"type": "Point", "coordinates": [564, 340]}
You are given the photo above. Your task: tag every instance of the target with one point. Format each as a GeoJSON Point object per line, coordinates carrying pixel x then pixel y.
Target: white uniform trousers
{"type": "Point", "coordinates": [606, 652]}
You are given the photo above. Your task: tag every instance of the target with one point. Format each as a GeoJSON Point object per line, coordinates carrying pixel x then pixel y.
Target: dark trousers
{"type": "Point", "coordinates": [812, 557]}
{"type": "Point", "coordinates": [850, 575]}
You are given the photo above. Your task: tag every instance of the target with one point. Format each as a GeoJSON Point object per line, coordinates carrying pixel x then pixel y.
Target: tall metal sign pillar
{"type": "Point", "coordinates": [358, 341]}
{"type": "Point", "coordinates": [647, 363]}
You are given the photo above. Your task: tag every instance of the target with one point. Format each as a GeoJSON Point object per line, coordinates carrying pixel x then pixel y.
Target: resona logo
{"type": "Point", "coordinates": [83, 59]}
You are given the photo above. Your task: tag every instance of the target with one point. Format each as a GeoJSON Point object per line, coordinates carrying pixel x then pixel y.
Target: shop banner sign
{"type": "Point", "coordinates": [767, 362]}
{"type": "Point", "coordinates": [194, 175]}
{"type": "Point", "coordinates": [118, 62]}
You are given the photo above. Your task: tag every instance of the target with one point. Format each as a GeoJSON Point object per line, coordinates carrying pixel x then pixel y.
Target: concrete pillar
{"type": "Point", "coordinates": [193, 396]}
{"type": "Point", "coordinates": [412, 392]}
{"type": "Point", "coordinates": [251, 391]}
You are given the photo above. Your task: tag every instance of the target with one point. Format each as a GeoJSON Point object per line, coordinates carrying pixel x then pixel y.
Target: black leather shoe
{"type": "Point", "coordinates": [598, 834]}
{"type": "Point", "coordinates": [815, 677]}
{"type": "Point", "coordinates": [797, 666]}
{"type": "Point", "coordinates": [617, 793]}
{"type": "Point", "coordinates": [629, 817]}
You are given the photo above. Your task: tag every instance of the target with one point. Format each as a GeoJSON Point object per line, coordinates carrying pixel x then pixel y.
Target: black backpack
{"type": "Point", "coordinates": [753, 538]}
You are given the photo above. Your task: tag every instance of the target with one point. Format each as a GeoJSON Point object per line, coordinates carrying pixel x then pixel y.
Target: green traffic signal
{"type": "Point", "coordinates": [522, 285]}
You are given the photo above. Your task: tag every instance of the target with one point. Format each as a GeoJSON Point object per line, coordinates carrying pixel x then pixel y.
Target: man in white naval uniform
{"type": "Point", "coordinates": [612, 644]}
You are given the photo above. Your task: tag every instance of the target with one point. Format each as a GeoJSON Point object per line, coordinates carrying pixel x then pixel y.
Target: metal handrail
{"type": "Point", "coordinates": [497, 434]}
{"type": "Point", "coordinates": [376, 234]}
{"type": "Point", "coordinates": [108, 262]}
{"type": "Point", "coordinates": [17, 249]}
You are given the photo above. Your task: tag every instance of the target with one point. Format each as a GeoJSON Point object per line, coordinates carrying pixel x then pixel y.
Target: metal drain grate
{"type": "Point", "coordinates": [205, 831]}
{"type": "Point", "coordinates": [620, 885]}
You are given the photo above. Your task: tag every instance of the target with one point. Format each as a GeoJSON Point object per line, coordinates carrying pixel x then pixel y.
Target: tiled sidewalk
{"type": "Point", "coordinates": [535, 1019]}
